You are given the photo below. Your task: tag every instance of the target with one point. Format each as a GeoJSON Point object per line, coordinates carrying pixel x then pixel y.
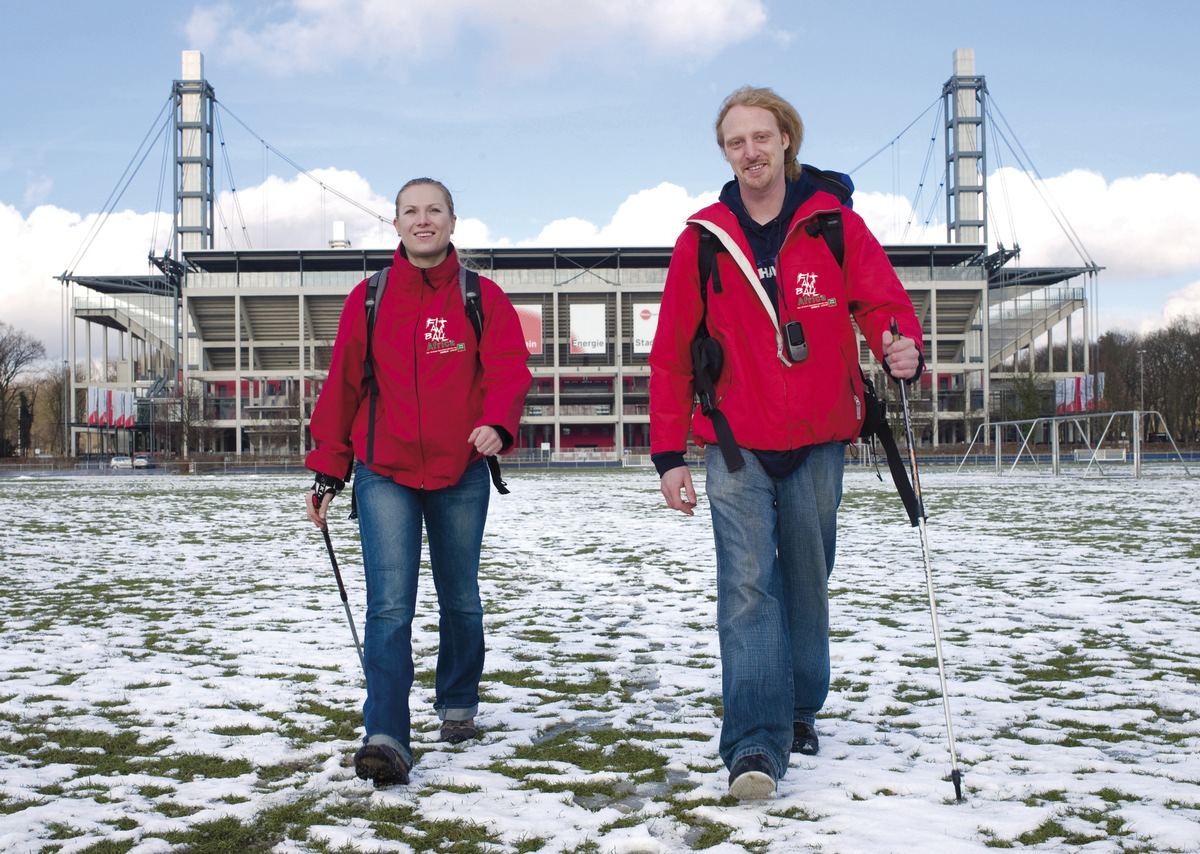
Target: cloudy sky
{"type": "Point", "coordinates": [590, 122]}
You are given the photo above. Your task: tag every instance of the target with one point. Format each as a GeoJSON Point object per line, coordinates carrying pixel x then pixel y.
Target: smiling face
{"type": "Point", "coordinates": [425, 224]}
{"type": "Point", "coordinates": [755, 147]}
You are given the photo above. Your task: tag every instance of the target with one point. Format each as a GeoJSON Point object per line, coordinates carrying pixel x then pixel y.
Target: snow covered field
{"type": "Point", "coordinates": [178, 674]}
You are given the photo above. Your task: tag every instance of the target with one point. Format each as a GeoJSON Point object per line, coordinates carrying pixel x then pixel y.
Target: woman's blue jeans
{"type": "Point", "coordinates": [775, 542]}
{"type": "Point", "coordinates": [390, 520]}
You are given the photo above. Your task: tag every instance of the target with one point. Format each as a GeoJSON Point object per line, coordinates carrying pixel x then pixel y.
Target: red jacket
{"type": "Point", "coordinates": [435, 383]}
{"type": "Point", "coordinates": [771, 403]}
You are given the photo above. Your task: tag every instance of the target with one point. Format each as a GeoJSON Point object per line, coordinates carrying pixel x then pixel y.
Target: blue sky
{"type": "Point", "coordinates": [590, 121]}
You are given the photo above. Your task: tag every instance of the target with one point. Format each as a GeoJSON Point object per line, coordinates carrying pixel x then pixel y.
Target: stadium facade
{"type": "Point", "coordinates": [225, 351]}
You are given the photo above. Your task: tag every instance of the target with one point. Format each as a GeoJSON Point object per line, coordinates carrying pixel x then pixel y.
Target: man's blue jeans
{"type": "Point", "coordinates": [775, 542]}
{"type": "Point", "coordinates": [389, 519]}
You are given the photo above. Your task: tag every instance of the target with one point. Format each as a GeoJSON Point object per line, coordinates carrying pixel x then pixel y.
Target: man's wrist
{"type": "Point", "coordinates": [664, 461]}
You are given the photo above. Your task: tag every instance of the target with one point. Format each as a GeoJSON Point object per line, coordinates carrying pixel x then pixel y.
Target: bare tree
{"type": "Point", "coordinates": [18, 352]}
{"type": "Point", "coordinates": [1157, 371]}
{"type": "Point", "coordinates": [49, 414]}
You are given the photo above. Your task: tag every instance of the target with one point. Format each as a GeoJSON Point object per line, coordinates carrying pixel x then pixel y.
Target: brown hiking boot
{"type": "Point", "coordinates": [380, 764]}
{"type": "Point", "coordinates": [456, 732]}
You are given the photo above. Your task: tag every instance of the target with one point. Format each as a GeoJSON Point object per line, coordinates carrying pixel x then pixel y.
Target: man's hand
{"type": "Point", "coordinates": [677, 488]}
{"type": "Point", "coordinates": [901, 355]}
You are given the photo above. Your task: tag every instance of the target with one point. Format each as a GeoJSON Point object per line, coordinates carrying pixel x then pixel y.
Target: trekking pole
{"type": "Point", "coordinates": [337, 573]}
{"type": "Point", "coordinates": [919, 523]}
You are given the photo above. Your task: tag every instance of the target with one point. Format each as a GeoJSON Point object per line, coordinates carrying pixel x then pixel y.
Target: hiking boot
{"type": "Point", "coordinates": [752, 778]}
{"type": "Point", "coordinates": [804, 739]}
{"type": "Point", "coordinates": [456, 732]}
{"type": "Point", "coordinates": [380, 764]}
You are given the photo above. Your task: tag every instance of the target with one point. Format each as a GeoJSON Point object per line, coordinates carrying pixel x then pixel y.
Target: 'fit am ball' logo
{"type": "Point", "coordinates": [807, 295]}
{"type": "Point", "coordinates": [436, 340]}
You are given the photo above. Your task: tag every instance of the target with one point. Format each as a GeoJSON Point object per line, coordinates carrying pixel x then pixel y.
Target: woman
{"type": "Point", "coordinates": [445, 401]}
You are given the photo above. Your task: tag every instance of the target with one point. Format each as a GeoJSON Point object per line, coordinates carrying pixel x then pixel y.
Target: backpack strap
{"type": "Point", "coordinates": [829, 226]}
{"type": "Point", "coordinates": [375, 288]}
{"type": "Point", "coordinates": [875, 426]}
{"type": "Point", "coordinates": [468, 286]}
{"type": "Point", "coordinates": [708, 358]}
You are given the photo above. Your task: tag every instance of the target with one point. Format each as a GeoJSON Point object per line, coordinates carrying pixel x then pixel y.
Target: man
{"type": "Point", "coordinates": [790, 392]}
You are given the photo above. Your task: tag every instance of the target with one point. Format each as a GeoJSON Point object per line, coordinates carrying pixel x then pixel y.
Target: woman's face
{"type": "Point", "coordinates": [424, 224]}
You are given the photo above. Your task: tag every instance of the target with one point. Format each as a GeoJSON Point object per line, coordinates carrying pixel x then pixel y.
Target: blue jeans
{"type": "Point", "coordinates": [775, 542]}
{"type": "Point", "coordinates": [389, 519]}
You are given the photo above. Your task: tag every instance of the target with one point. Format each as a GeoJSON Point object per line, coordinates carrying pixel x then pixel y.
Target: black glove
{"type": "Point", "coordinates": [322, 484]}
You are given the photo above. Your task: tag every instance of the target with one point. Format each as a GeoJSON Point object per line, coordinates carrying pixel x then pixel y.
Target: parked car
{"type": "Point", "coordinates": [122, 461]}
{"type": "Point", "coordinates": [142, 461]}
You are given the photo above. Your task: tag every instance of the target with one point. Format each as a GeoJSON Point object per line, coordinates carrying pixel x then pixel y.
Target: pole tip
{"type": "Point", "coordinates": [956, 777]}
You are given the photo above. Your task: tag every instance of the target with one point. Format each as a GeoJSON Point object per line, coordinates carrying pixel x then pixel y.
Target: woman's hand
{"type": "Point", "coordinates": [486, 440]}
{"type": "Point", "coordinates": [316, 508]}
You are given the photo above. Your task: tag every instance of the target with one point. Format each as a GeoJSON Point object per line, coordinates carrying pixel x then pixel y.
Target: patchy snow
{"type": "Point", "coordinates": [197, 619]}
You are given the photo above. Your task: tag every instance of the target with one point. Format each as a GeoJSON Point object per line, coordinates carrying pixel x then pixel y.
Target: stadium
{"type": "Point", "coordinates": [223, 352]}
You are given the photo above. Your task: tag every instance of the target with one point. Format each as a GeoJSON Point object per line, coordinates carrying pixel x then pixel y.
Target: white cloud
{"type": "Point", "coordinates": [1145, 226]}
{"type": "Point", "coordinates": [306, 35]}
{"type": "Point", "coordinates": [299, 213]}
{"type": "Point", "coordinates": [45, 245]}
{"type": "Point", "coordinates": [1183, 302]}
{"type": "Point", "coordinates": [651, 217]}
{"type": "Point", "coordinates": [1144, 231]}
{"type": "Point", "coordinates": [891, 219]}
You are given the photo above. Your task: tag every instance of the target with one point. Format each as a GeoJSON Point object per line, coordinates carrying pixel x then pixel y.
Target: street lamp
{"type": "Point", "coordinates": [1142, 378]}
{"type": "Point", "coordinates": [66, 413]}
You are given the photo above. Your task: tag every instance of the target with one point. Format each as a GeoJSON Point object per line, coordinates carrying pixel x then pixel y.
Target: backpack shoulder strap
{"type": "Point", "coordinates": [375, 288]}
{"type": "Point", "coordinates": [707, 356]}
{"type": "Point", "coordinates": [376, 285]}
{"type": "Point", "coordinates": [468, 285]}
{"type": "Point", "coordinates": [706, 258]}
{"type": "Point", "coordinates": [829, 226]}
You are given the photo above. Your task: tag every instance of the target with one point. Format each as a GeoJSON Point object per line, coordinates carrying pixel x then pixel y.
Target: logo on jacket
{"type": "Point", "coordinates": [435, 337]}
{"type": "Point", "coordinates": [807, 295]}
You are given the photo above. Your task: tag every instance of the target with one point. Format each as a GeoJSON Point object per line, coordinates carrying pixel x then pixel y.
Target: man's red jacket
{"type": "Point", "coordinates": [772, 403]}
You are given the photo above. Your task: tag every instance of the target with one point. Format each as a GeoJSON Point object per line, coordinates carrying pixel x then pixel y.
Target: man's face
{"type": "Point", "coordinates": [754, 147]}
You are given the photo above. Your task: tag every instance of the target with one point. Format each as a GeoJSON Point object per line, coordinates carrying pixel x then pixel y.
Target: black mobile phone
{"type": "Point", "coordinates": [793, 336]}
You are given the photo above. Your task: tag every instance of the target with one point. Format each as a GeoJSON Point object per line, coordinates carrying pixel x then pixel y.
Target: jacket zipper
{"type": "Point", "coordinates": [417, 372]}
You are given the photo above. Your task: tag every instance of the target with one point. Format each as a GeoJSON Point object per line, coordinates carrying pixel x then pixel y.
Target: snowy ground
{"type": "Point", "coordinates": [178, 674]}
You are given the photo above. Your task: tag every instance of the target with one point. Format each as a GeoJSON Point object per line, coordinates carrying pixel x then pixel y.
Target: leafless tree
{"type": "Point", "coordinates": [19, 351]}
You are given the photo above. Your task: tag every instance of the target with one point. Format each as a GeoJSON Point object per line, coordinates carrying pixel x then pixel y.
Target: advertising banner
{"type": "Point", "coordinates": [645, 322]}
{"type": "Point", "coordinates": [1078, 394]}
{"type": "Point", "coordinates": [587, 329]}
{"type": "Point", "coordinates": [531, 325]}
